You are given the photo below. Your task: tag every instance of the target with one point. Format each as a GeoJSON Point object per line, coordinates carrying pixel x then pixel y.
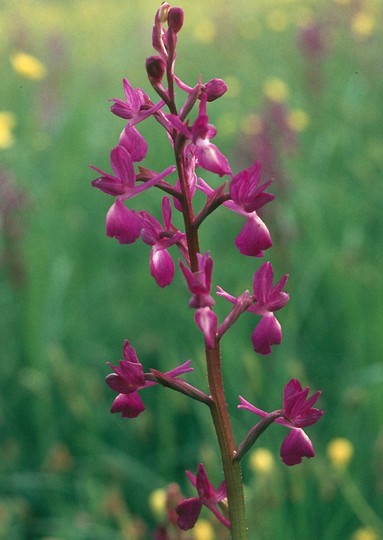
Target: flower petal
{"type": "Point", "coordinates": [161, 266]}
{"type": "Point", "coordinates": [254, 237]}
{"type": "Point", "coordinates": [134, 143]}
{"type": "Point", "coordinates": [188, 513]}
{"type": "Point", "coordinates": [296, 446]}
{"type": "Point", "coordinates": [123, 224]}
{"type": "Point", "coordinates": [129, 405]}
{"type": "Point", "coordinates": [267, 332]}
{"type": "Point", "coordinates": [207, 321]}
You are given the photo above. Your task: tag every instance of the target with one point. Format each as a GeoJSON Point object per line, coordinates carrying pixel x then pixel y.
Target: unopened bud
{"type": "Point", "coordinates": [162, 13]}
{"type": "Point", "coordinates": [155, 68]}
{"type": "Point", "coordinates": [215, 88]}
{"type": "Point", "coordinates": [175, 19]}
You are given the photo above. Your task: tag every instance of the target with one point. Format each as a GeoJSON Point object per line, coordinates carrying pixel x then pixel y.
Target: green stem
{"type": "Point", "coordinates": [231, 467]}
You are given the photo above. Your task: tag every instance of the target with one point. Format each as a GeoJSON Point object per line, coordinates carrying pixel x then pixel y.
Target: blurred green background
{"type": "Point", "coordinates": [305, 96]}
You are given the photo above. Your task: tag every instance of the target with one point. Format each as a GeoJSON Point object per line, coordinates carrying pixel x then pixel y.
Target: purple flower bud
{"type": "Point", "coordinates": [155, 68]}
{"type": "Point", "coordinates": [175, 19]}
{"type": "Point", "coordinates": [214, 89]}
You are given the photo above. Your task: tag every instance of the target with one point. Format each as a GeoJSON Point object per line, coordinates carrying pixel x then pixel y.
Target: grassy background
{"type": "Point", "coordinates": [69, 295]}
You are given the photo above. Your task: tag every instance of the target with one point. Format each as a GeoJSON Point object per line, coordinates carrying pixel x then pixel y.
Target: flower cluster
{"type": "Point", "coordinates": [244, 194]}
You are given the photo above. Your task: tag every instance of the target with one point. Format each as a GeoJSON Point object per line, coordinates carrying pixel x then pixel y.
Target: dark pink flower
{"type": "Point", "coordinates": [129, 377]}
{"type": "Point", "coordinates": [254, 236]}
{"type": "Point", "coordinates": [207, 154]}
{"type": "Point", "coordinates": [135, 108]}
{"type": "Point", "coordinates": [189, 510]}
{"type": "Point", "coordinates": [123, 182]}
{"type": "Point", "coordinates": [297, 412]}
{"type": "Point", "coordinates": [266, 299]}
{"type": "Point", "coordinates": [245, 190]}
{"type": "Point", "coordinates": [161, 238]}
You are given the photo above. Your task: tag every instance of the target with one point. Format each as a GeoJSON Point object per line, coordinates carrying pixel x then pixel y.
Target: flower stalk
{"type": "Point", "coordinates": [223, 429]}
{"type": "Point", "coordinates": [242, 193]}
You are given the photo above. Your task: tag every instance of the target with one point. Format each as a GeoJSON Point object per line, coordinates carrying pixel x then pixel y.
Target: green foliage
{"type": "Point", "coordinates": [69, 295]}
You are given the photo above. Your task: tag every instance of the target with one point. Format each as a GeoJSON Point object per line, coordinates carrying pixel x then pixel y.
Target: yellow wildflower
{"type": "Point", "coordinates": [203, 530]}
{"type": "Point", "coordinates": [363, 24]}
{"type": "Point", "coordinates": [234, 86]}
{"type": "Point", "coordinates": [339, 452]}
{"type": "Point", "coordinates": [277, 20]}
{"type": "Point", "coordinates": [205, 31]}
{"type": "Point", "coordinates": [261, 461]}
{"type": "Point", "coordinates": [7, 123]}
{"type": "Point", "coordinates": [276, 90]}
{"type": "Point", "coordinates": [297, 120]}
{"type": "Point", "coordinates": [227, 124]}
{"type": "Point", "coordinates": [157, 502]}
{"type": "Point", "coordinates": [364, 534]}
{"type": "Point", "coordinates": [28, 66]}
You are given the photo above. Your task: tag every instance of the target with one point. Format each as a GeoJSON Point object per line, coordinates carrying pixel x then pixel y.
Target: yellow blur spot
{"type": "Point", "coordinates": [364, 534]}
{"type": "Point", "coordinates": [205, 31]}
{"type": "Point", "coordinates": [297, 120]}
{"type": "Point", "coordinates": [227, 124]}
{"type": "Point", "coordinates": [203, 530]}
{"type": "Point", "coordinates": [261, 461]}
{"type": "Point", "coordinates": [7, 123]}
{"type": "Point", "coordinates": [28, 66]}
{"type": "Point", "coordinates": [363, 24]}
{"type": "Point", "coordinates": [340, 452]}
{"type": "Point", "coordinates": [157, 502]}
{"type": "Point", "coordinates": [276, 90]}
{"type": "Point", "coordinates": [277, 20]}
{"type": "Point", "coordinates": [234, 86]}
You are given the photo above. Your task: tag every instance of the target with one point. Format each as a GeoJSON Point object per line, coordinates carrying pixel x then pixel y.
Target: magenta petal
{"type": "Point", "coordinates": [296, 446]}
{"type": "Point", "coordinates": [211, 159]}
{"type": "Point", "coordinates": [267, 332]}
{"type": "Point", "coordinates": [122, 223]}
{"type": "Point", "coordinates": [161, 266]}
{"type": "Point", "coordinates": [207, 321]}
{"type": "Point", "coordinates": [108, 184]}
{"type": "Point", "coordinates": [188, 513]}
{"type": "Point", "coordinates": [254, 237]}
{"type": "Point", "coordinates": [127, 377]}
{"type": "Point", "coordinates": [129, 405]}
{"type": "Point", "coordinates": [122, 165]}
{"type": "Point", "coordinates": [203, 485]}
{"type": "Point", "coordinates": [263, 282]}
{"type": "Point", "coordinates": [134, 143]}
